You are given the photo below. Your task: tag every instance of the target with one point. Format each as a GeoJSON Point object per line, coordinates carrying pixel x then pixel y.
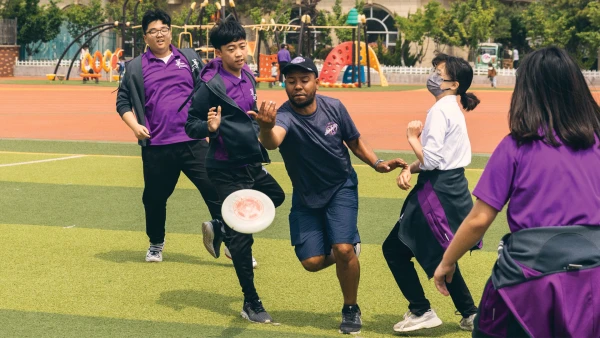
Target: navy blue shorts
{"type": "Point", "coordinates": [314, 231]}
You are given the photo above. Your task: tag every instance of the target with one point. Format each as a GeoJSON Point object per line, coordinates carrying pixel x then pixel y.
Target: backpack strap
{"type": "Point", "coordinates": [195, 62]}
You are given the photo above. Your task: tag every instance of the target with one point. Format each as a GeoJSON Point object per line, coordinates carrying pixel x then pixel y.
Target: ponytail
{"type": "Point", "coordinates": [469, 101]}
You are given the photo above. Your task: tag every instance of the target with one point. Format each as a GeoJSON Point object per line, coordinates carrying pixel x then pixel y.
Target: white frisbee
{"type": "Point", "coordinates": [248, 211]}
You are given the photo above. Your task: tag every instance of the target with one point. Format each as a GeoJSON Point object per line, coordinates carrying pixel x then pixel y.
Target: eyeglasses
{"type": "Point", "coordinates": [154, 32]}
{"type": "Point", "coordinates": [439, 73]}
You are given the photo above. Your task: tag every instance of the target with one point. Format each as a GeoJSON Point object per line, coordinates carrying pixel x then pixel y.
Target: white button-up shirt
{"type": "Point", "coordinates": [444, 137]}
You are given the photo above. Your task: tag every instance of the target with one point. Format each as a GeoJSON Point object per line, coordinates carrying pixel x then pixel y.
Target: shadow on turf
{"type": "Point", "coordinates": [384, 324]}
{"type": "Point", "coordinates": [132, 256]}
{"type": "Point", "coordinates": [227, 306]}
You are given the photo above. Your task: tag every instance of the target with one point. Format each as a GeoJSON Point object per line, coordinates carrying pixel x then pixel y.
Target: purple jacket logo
{"type": "Point", "coordinates": [331, 128]}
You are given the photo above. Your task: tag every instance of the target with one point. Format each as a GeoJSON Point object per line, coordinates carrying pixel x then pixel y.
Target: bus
{"type": "Point", "coordinates": [489, 52]}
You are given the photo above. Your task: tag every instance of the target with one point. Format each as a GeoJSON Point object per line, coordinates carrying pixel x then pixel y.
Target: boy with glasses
{"type": "Point", "coordinates": [153, 87]}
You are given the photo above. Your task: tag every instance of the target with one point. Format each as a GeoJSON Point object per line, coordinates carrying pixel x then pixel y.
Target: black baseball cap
{"type": "Point", "coordinates": [301, 62]}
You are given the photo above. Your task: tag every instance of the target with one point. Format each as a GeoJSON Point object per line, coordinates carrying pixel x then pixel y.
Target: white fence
{"type": "Point", "coordinates": [386, 69]}
{"type": "Point", "coordinates": [45, 63]}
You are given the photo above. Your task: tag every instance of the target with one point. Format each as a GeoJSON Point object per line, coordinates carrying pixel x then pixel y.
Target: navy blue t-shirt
{"type": "Point", "coordinates": [313, 149]}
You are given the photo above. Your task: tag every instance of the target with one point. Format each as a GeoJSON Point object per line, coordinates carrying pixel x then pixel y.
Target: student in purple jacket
{"type": "Point", "coordinates": [224, 106]}
{"type": "Point", "coordinates": [544, 283]}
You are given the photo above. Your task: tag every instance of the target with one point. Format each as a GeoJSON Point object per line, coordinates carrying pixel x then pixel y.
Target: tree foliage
{"type": "Point", "coordinates": [35, 24]}
{"type": "Point", "coordinates": [422, 27]}
{"type": "Point", "coordinates": [570, 24]}
{"type": "Point", "coordinates": [81, 18]}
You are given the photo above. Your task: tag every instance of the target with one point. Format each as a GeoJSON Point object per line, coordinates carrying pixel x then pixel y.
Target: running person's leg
{"type": "Point", "coordinates": [461, 296]}
{"type": "Point", "coordinates": [398, 257]}
{"type": "Point", "coordinates": [195, 169]}
{"type": "Point", "coordinates": [161, 172]}
{"type": "Point", "coordinates": [226, 182]}
{"type": "Point", "coordinates": [342, 232]}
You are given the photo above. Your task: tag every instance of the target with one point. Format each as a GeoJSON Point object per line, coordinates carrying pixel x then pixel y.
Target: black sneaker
{"type": "Point", "coordinates": [255, 312]}
{"type": "Point", "coordinates": [351, 321]}
{"type": "Point", "coordinates": [212, 237]}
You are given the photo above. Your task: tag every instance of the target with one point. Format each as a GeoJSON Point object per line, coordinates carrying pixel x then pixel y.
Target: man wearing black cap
{"type": "Point", "coordinates": [323, 219]}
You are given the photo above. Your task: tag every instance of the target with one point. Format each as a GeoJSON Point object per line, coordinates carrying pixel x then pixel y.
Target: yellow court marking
{"type": "Point", "coordinates": [132, 156]}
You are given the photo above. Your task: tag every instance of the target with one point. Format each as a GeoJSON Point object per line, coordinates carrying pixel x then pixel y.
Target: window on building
{"type": "Point", "coordinates": [381, 25]}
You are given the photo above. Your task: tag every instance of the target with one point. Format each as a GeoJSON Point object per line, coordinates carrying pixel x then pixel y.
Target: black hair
{"type": "Point", "coordinates": [460, 71]}
{"type": "Point", "coordinates": [85, 45]}
{"type": "Point", "coordinates": [226, 31]}
{"type": "Point", "coordinates": [283, 45]}
{"type": "Point", "coordinates": [152, 15]}
{"type": "Point", "coordinates": [552, 99]}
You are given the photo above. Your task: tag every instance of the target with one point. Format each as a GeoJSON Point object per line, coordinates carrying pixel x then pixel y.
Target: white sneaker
{"type": "Point", "coordinates": [412, 323]}
{"type": "Point", "coordinates": [228, 255]}
{"type": "Point", "coordinates": [467, 323]}
{"type": "Point", "coordinates": [154, 253]}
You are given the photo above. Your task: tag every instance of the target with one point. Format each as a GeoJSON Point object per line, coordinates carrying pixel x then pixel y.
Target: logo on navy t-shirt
{"type": "Point", "coordinates": [331, 128]}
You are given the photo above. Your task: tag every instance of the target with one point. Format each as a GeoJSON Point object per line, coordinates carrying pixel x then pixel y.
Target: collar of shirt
{"type": "Point", "coordinates": [151, 57]}
{"type": "Point", "coordinates": [444, 101]}
{"type": "Point", "coordinates": [232, 78]}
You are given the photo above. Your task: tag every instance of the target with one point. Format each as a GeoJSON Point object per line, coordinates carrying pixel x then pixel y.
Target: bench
{"type": "Point", "coordinates": [90, 76]}
{"type": "Point", "coordinates": [266, 79]}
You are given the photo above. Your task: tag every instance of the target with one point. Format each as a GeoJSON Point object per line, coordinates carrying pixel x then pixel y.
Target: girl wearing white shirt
{"type": "Point", "coordinates": [440, 201]}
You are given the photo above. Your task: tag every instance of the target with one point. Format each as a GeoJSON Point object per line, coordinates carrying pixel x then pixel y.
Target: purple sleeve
{"type": "Point", "coordinates": [496, 183]}
{"type": "Point", "coordinates": [349, 131]}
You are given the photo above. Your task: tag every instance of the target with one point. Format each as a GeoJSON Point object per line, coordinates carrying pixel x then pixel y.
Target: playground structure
{"type": "Point", "coordinates": [108, 62]}
{"type": "Point", "coordinates": [351, 53]}
{"type": "Point", "coordinates": [341, 56]}
{"type": "Point", "coordinates": [264, 68]}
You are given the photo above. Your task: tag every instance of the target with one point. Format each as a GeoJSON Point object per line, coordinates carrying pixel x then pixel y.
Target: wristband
{"type": "Point", "coordinates": [376, 163]}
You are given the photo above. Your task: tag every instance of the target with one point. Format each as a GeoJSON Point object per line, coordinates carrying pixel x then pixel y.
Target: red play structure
{"type": "Point", "coordinates": [340, 57]}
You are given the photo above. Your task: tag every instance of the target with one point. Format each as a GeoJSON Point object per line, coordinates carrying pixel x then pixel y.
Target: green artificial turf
{"type": "Point", "coordinates": [74, 239]}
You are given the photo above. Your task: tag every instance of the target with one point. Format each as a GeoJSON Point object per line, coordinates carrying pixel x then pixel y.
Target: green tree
{"type": "Point", "coordinates": [35, 24]}
{"type": "Point", "coordinates": [592, 36]}
{"type": "Point", "coordinates": [81, 18]}
{"type": "Point", "coordinates": [570, 24]}
{"type": "Point", "coordinates": [421, 28]}
{"type": "Point", "coordinates": [467, 23]}
{"type": "Point", "coordinates": [338, 18]}
{"type": "Point", "coordinates": [547, 27]}
{"type": "Point", "coordinates": [264, 6]}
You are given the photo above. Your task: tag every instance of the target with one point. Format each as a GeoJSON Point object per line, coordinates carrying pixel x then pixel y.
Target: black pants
{"type": "Point", "coordinates": [227, 181]}
{"type": "Point", "coordinates": [281, 65]}
{"type": "Point", "coordinates": [162, 167]}
{"type": "Point", "coordinates": [398, 257]}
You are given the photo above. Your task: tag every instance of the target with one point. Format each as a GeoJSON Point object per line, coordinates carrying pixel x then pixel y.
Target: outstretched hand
{"type": "Point", "coordinates": [267, 115]}
{"type": "Point", "coordinates": [389, 165]}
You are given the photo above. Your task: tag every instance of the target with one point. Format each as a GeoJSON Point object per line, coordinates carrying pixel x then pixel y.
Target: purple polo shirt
{"type": "Point", "coordinates": [284, 55]}
{"type": "Point", "coordinates": [543, 185]}
{"type": "Point", "coordinates": [241, 90]}
{"type": "Point", "coordinates": [166, 86]}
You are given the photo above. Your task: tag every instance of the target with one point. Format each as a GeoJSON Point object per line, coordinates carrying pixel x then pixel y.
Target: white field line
{"type": "Point", "coordinates": [41, 161]}
{"type": "Point", "coordinates": [126, 156]}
